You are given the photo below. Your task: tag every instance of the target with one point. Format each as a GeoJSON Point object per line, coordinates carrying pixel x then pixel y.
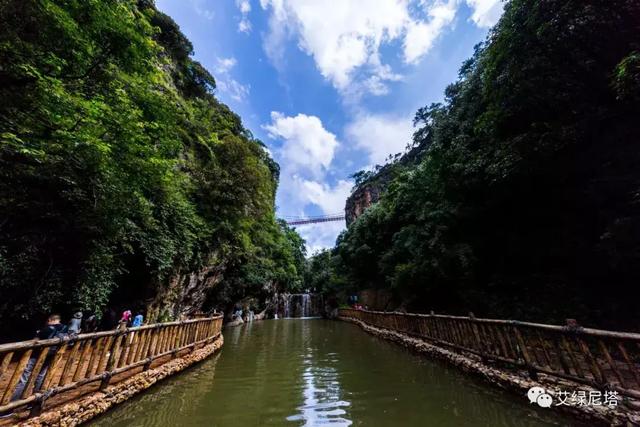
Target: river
{"type": "Point", "coordinates": [316, 372]}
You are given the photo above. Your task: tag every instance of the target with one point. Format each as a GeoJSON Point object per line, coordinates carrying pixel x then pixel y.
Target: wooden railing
{"type": "Point", "coordinates": [62, 364]}
{"type": "Point", "coordinates": [599, 358]}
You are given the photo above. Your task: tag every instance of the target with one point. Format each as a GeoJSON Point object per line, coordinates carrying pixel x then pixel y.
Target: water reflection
{"type": "Point", "coordinates": [322, 395]}
{"type": "Point", "coordinates": [318, 373]}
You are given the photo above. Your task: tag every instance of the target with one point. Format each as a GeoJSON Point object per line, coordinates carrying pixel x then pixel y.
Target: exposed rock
{"type": "Point", "coordinates": [185, 294]}
{"type": "Point", "coordinates": [369, 192]}
{"type": "Point", "coordinates": [360, 200]}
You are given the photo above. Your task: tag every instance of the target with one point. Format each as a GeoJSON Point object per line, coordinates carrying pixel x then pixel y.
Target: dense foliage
{"type": "Point", "coordinates": [525, 202]}
{"type": "Point", "coordinates": [118, 166]}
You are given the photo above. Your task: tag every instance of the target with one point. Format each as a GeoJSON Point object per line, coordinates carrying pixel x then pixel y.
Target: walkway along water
{"type": "Point", "coordinates": [561, 359]}
{"type": "Point", "coordinates": [319, 372]}
{"type": "Point", "coordinates": [72, 367]}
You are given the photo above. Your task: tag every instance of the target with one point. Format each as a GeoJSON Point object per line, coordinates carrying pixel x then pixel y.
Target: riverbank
{"type": "Point", "coordinates": [92, 405]}
{"type": "Point", "coordinates": [517, 382]}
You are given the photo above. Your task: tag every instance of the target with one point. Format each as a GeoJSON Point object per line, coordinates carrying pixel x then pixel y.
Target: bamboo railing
{"type": "Point", "coordinates": [602, 359]}
{"type": "Point", "coordinates": [64, 364]}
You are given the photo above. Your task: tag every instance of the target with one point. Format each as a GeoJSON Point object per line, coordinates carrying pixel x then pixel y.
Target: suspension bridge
{"type": "Point", "coordinates": [302, 220]}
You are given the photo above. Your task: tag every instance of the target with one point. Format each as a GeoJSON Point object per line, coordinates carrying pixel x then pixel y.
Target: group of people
{"type": "Point", "coordinates": [247, 315]}
{"type": "Point", "coordinates": [110, 320]}
{"type": "Point", "coordinates": [54, 328]}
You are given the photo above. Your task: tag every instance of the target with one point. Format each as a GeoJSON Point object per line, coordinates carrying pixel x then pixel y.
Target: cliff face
{"type": "Point", "coordinates": [369, 192]}
{"type": "Point", "coordinates": [363, 197]}
{"type": "Point", "coordinates": [185, 293]}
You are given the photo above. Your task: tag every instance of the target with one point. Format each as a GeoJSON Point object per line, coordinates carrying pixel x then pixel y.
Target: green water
{"type": "Point", "coordinates": [318, 372]}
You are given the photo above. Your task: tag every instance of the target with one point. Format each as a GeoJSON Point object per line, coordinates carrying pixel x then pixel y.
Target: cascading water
{"type": "Point", "coordinates": [306, 305]}
{"type": "Point", "coordinates": [298, 305]}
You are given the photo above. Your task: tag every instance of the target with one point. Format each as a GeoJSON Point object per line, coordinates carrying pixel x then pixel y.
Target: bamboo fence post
{"type": "Point", "coordinates": [34, 373]}
{"type": "Point", "coordinates": [474, 330]}
{"type": "Point", "coordinates": [153, 340]}
{"type": "Point", "coordinates": [503, 344]}
{"type": "Point", "coordinates": [126, 347]}
{"type": "Point", "coordinates": [495, 342]}
{"type": "Point", "coordinates": [106, 348]}
{"type": "Point", "coordinates": [611, 362]}
{"type": "Point", "coordinates": [142, 340]}
{"type": "Point", "coordinates": [171, 341]}
{"type": "Point", "coordinates": [176, 344]}
{"type": "Point", "coordinates": [560, 352]}
{"type": "Point", "coordinates": [525, 353]}
{"type": "Point", "coordinates": [630, 364]}
{"type": "Point", "coordinates": [135, 341]}
{"type": "Point", "coordinates": [457, 333]}
{"type": "Point", "coordinates": [111, 361]}
{"type": "Point", "coordinates": [162, 339]}
{"type": "Point", "coordinates": [55, 365]}
{"type": "Point", "coordinates": [83, 360]}
{"type": "Point", "coordinates": [95, 356]}
{"type": "Point", "coordinates": [5, 363]}
{"type": "Point", "coordinates": [468, 334]}
{"type": "Point", "coordinates": [566, 345]}
{"type": "Point", "coordinates": [592, 362]}
{"type": "Point", "coordinates": [17, 373]}
{"type": "Point", "coordinates": [66, 372]}
{"type": "Point", "coordinates": [545, 351]}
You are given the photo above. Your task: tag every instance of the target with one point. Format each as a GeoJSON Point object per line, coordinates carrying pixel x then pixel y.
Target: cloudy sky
{"type": "Point", "coordinates": [330, 86]}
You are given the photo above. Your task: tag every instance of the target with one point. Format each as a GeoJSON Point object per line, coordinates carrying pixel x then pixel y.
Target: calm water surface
{"type": "Point", "coordinates": [318, 372]}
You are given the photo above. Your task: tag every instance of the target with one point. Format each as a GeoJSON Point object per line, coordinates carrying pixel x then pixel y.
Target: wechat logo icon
{"type": "Point", "coordinates": [540, 396]}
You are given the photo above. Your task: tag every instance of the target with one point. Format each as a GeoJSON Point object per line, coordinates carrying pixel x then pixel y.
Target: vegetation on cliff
{"type": "Point", "coordinates": [524, 202]}
{"type": "Point", "coordinates": [119, 168]}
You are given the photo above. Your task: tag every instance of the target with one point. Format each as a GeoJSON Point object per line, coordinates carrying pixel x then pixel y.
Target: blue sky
{"type": "Point", "coordinates": [330, 86]}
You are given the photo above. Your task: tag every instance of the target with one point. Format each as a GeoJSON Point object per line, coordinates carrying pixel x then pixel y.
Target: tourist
{"type": "Point", "coordinates": [138, 320]}
{"type": "Point", "coordinates": [75, 323]}
{"type": "Point", "coordinates": [125, 320]}
{"type": "Point", "coordinates": [53, 329]}
{"type": "Point", "coordinates": [90, 323]}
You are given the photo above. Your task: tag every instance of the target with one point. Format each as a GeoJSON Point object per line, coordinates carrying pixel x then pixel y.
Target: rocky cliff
{"type": "Point", "coordinates": [370, 190]}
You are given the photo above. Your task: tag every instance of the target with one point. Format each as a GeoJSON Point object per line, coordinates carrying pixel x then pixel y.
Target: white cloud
{"type": "Point", "coordinates": [224, 65]}
{"type": "Point", "coordinates": [306, 153]}
{"type": "Point", "coordinates": [227, 84]}
{"type": "Point", "coordinates": [234, 89]}
{"type": "Point", "coordinates": [244, 6]}
{"type": "Point", "coordinates": [380, 135]}
{"type": "Point", "coordinates": [330, 199]}
{"type": "Point", "coordinates": [486, 12]}
{"type": "Point", "coordinates": [202, 10]}
{"type": "Point", "coordinates": [244, 26]}
{"type": "Point", "coordinates": [320, 236]}
{"type": "Point", "coordinates": [342, 36]}
{"type": "Point", "coordinates": [422, 34]}
{"type": "Point", "coordinates": [307, 145]}
{"type": "Point", "coordinates": [345, 37]}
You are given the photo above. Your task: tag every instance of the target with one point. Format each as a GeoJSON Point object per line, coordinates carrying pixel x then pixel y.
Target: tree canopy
{"type": "Point", "coordinates": [524, 201]}
{"type": "Point", "coordinates": [118, 166]}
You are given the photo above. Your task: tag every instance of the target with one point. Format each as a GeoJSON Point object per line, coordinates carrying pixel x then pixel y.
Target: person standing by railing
{"type": "Point", "coordinates": [138, 320]}
{"type": "Point", "coordinates": [53, 329]}
{"type": "Point", "coordinates": [76, 323]}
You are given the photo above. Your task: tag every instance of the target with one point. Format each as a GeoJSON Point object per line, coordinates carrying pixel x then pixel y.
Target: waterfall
{"type": "Point", "coordinates": [298, 305]}
{"type": "Point", "coordinates": [306, 305]}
